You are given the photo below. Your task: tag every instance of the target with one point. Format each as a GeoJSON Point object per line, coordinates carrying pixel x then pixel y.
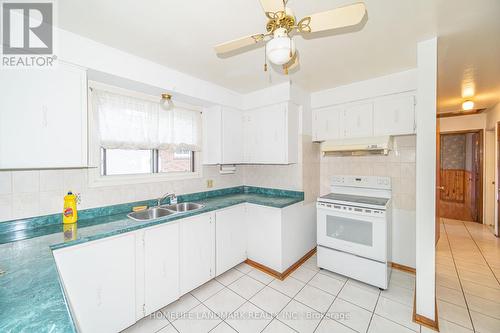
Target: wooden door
{"type": "Point", "coordinates": [475, 194]}
{"type": "Point", "coordinates": [477, 177]}
{"type": "Point", "coordinates": [439, 188]}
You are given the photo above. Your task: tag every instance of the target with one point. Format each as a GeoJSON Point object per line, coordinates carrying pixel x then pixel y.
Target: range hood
{"type": "Point", "coordinates": [372, 145]}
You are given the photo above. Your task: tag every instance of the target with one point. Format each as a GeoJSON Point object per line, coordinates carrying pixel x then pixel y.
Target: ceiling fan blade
{"type": "Point", "coordinates": [238, 43]}
{"type": "Point", "coordinates": [333, 19]}
{"type": "Point", "coordinates": [272, 6]}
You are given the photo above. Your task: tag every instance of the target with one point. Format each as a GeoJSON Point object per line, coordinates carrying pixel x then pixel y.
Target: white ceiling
{"type": "Point", "coordinates": [181, 35]}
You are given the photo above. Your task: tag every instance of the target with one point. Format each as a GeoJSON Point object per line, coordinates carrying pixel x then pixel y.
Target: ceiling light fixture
{"type": "Point", "coordinates": [467, 105]}
{"type": "Point", "coordinates": [281, 48]}
{"type": "Point", "coordinates": [166, 102]}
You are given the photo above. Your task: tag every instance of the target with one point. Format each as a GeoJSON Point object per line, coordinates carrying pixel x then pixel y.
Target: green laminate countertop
{"type": "Point", "coordinates": [31, 296]}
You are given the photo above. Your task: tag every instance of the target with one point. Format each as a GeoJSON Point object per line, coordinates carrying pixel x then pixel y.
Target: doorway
{"type": "Point", "coordinates": [461, 175]}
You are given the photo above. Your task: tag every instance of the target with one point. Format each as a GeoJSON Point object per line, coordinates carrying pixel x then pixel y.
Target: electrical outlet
{"type": "Point", "coordinates": [210, 183]}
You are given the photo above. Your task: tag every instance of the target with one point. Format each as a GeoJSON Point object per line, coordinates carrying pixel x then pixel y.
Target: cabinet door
{"type": "Point", "coordinates": [197, 251]}
{"type": "Point", "coordinates": [394, 116]}
{"type": "Point", "coordinates": [327, 124]}
{"type": "Point", "coordinates": [232, 136]}
{"type": "Point", "coordinates": [161, 266]}
{"type": "Point", "coordinates": [230, 238]}
{"type": "Point", "coordinates": [264, 236]}
{"type": "Point", "coordinates": [266, 135]}
{"type": "Point", "coordinates": [212, 135]}
{"type": "Point", "coordinates": [43, 118]}
{"type": "Point", "coordinates": [250, 138]}
{"type": "Point", "coordinates": [358, 120]}
{"type": "Point", "coordinates": [99, 281]}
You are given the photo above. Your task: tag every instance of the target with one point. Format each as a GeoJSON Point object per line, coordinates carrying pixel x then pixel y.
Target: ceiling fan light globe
{"type": "Point", "coordinates": [278, 50]}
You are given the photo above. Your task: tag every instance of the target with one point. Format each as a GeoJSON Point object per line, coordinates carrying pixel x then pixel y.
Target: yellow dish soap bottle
{"type": "Point", "coordinates": [70, 213]}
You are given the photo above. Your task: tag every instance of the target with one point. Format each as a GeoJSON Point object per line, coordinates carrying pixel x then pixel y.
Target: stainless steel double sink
{"type": "Point", "coordinates": [154, 213]}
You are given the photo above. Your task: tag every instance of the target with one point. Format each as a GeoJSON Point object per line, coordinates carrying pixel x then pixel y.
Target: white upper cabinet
{"type": "Point", "coordinates": [197, 256]}
{"type": "Point", "coordinates": [43, 118]}
{"type": "Point", "coordinates": [222, 135]}
{"type": "Point", "coordinates": [394, 116]}
{"type": "Point", "coordinates": [327, 124]}
{"type": "Point", "coordinates": [271, 134]}
{"type": "Point", "coordinates": [212, 135]}
{"type": "Point", "coordinates": [358, 121]}
{"type": "Point", "coordinates": [232, 136]}
{"type": "Point", "coordinates": [267, 135]}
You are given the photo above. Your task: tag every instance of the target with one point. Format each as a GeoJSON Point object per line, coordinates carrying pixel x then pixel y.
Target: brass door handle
{"type": "Point", "coordinates": [441, 188]}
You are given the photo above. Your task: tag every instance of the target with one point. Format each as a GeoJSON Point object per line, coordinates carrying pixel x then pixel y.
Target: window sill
{"type": "Point", "coordinates": [96, 180]}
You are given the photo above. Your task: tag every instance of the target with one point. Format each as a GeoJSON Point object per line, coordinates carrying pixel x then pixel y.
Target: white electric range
{"type": "Point", "coordinates": [354, 228]}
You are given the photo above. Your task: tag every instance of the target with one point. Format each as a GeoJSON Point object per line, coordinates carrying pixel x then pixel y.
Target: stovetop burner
{"type": "Point", "coordinates": [354, 199]}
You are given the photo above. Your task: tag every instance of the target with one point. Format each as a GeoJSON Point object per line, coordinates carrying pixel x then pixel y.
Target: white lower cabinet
{"type": "Point", "coordinates": [113, 282]}
{"type": "Point", "coordinates": [99, 280]}
{"type": "Point", "coordinates": [161, 266]}
{"type": "Point", "coordinates": [264, 236]}
{"type": "Point", "coordinates": [197, 256]}
{"type": "Point", "coordinates": [230, 238]}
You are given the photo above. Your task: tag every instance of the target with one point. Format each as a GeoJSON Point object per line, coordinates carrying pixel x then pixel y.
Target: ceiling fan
{"type": "Point", "coordinates": [282, 25]}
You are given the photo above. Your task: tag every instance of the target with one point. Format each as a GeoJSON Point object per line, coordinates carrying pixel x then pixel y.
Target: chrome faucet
{"type": "Point", "coordinates": [168, 195]}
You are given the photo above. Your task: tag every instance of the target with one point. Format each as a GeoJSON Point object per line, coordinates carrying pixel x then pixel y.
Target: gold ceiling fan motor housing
{"type": "Point", "coordinates": [278, 20]}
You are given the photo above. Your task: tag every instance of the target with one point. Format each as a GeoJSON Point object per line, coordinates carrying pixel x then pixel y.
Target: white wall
{"type": "Point", "coordinates": [376, 87]}
{"type": "Point", "coordinates": [462, 123]}
{"type": "Point", "coordinates": [489, 177]}
{"type": "Point", "coordinates": [98, 57]}
{"type": "Point", "coordinates": [426, 178]}
{"type": "Point", "coordinates": [492, 118]}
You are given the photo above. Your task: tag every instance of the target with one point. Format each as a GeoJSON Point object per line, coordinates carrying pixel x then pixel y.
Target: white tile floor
{"type": "Point", "coordinates": [468, 274]}
{"type": "Point", "coordinates": [245, 299]}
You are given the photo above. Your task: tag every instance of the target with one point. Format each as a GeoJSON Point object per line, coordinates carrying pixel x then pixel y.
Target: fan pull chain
{"type": "Point", "coordinates": [265, 58]}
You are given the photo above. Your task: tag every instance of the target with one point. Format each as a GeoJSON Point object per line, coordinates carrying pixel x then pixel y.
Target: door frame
{"type": "Point", "coordinates": [480, 132]}
{"type": "Point", "coordinates": [496, 232]}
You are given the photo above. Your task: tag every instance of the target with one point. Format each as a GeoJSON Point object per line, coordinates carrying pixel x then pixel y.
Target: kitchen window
{"type": "Point", "coordinates": [134, 140]}
{"type": "Point", "coordinates": [144, 161]}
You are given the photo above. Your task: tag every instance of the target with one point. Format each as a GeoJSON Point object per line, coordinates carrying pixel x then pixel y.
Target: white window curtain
{"type": "Point", "coordinates": [127, 122]}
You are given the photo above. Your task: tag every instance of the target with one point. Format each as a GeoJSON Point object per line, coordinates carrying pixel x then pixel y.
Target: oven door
{"type": "Point", "coordinates": [364, 236]}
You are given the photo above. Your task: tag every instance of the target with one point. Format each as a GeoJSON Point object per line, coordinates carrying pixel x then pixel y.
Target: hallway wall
{"type": "Point", "coordinates": [492, 117]}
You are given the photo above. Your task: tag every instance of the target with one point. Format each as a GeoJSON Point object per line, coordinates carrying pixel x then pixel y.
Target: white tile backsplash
{"type": "Point", "coordinates": [399, 165]}
{"type": "Point", "coordinates": [5, 182]}
{"type": "Point", "coordinates": [31, 193]}
{"type": "Point", "coordinates": [25, 181]}
{"type": "Point", "coordinates": [51, 180]}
